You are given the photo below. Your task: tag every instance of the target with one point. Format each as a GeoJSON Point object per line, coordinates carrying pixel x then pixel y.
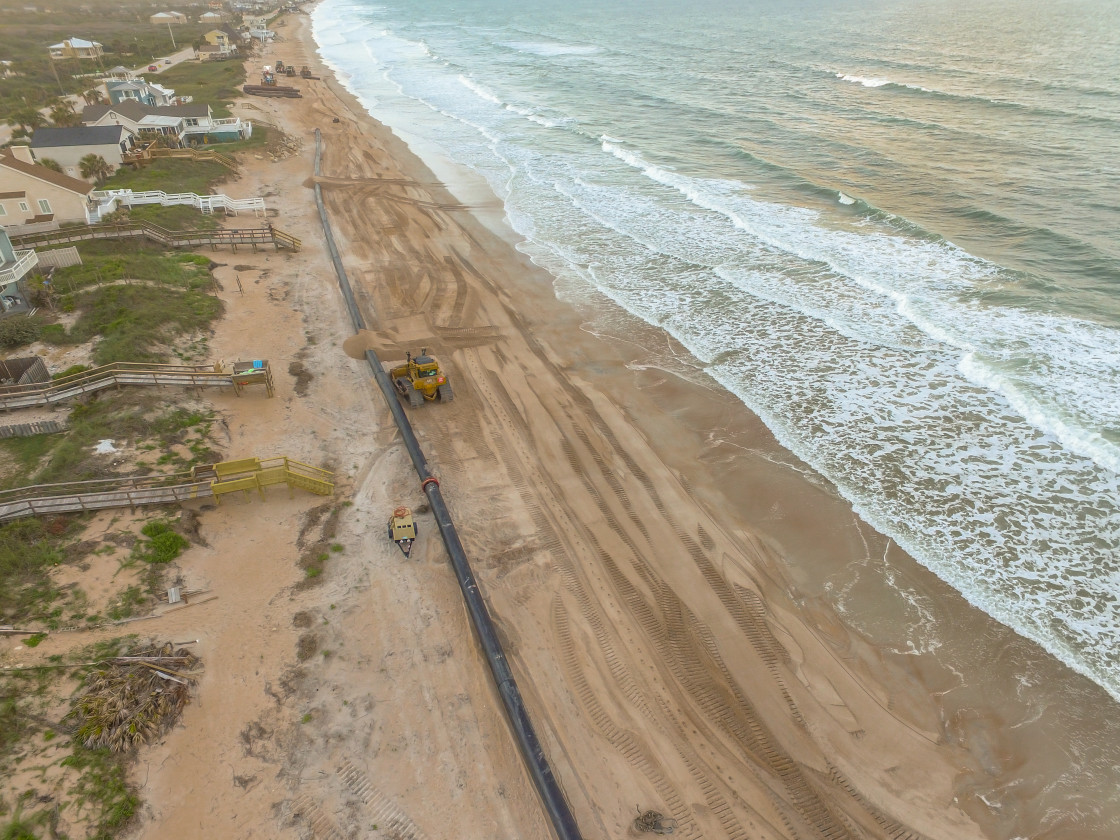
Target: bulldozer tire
{"type": "Point", "coordinates": [415, 398]}
{"type": "Point", "coordinates": [445, 393]}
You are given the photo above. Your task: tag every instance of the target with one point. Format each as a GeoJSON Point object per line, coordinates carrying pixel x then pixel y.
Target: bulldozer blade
{"type": "Point", "coordinates": [405, 546]}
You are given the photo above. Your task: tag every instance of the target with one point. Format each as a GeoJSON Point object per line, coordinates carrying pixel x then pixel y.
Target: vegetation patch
{"type": "Point", "coordinates": [106, 261]}
{"type": "Point", "coordinates": [174, 216]}
{"type": "Point", "coordinates": [132, 419]}
{"type": "Point", "coordinates": [163, 543]}
{"type": "Point", "coordinates": [61, 788]}
{"type": "Point", "coordinates": [172, 175]}
{"type": "Point", "coordinates": [132, 324]}
{"type": "Point", "coordinates": [29, 548]}
{"type": "Point", "coordinates": [16, 332]}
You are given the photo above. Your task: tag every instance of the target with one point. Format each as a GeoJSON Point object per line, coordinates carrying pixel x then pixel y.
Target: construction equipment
{"type": "Point", "coordinates": [402, 529]}
{"type": "Point", "coordinates": [289, 70]}
{"type": "Point", "coordinates": [420, 378]}
{"type": "Point", "coordinates": [268, 78]}
{"type": "Point", "coordinates": [305, 73]}
{"type": "Point", "coordinates": [279, 66]}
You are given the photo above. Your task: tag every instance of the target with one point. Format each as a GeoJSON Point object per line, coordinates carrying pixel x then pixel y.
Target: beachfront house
{"type": "Point", "coordinates": [223, 38]}
{"type": "Point", "coordinates": [31, 194]}
{"type": "Point", "coordinates": [148, 122]}
{"type": "Point", "coordinates": [179, 125]}
{"type": "Point", "coordinates": [76, 48]}
{"type": "Point", "coordinates": [211, 17]}
{"type": "Point", "coordinates": [139, 90]}
{"type": "Point", "coordinates": [167, 17]}
{"type": "Point", "coordinates": [67, 146]}
{"type": "Point", "coordinates": [14, 266]}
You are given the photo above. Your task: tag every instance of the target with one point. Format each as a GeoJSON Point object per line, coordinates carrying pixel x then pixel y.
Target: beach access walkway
{"type": "Point", "coordinates": [237, 376]}
{"type": "Point", "coordinates": [232, 237]}
{"type": "Point", "coordinates": [211, 481]}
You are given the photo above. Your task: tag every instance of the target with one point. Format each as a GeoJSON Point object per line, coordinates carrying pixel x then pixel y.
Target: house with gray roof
{"type": "Point", "coordinates": [183, 124]}
{"type": "Point", "coordinates": [67, 146]}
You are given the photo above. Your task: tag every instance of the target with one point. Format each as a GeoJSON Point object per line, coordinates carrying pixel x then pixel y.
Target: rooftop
{"type": "Point", "coordinates": [10, 161]}
{"type": "Point", "coordinates": [78, 135]}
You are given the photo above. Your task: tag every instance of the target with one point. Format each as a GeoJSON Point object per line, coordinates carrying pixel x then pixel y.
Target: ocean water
{"type": "Point", "coordinates": [890, 229]}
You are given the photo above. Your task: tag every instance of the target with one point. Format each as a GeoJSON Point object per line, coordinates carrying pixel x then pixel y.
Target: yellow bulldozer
{"type": "Point", "coordinates": [420, 378]}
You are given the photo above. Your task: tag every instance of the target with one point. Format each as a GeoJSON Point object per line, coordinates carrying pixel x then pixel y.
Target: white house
{"type": "Point", "coordinates": [167, 17]}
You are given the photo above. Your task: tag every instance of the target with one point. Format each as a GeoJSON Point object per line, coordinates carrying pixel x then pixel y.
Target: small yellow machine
{"type": "Point", "coordinates": [402, 529]}
{"type": "Point", "coordinates": [420, 378]}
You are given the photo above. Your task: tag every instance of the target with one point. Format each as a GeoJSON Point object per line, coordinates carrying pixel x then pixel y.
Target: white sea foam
{"type": "Point", "coordinates": [871, 82]}
{"type": "Point", "coordinates": [846, 199]}
{"type": "Point", "coordinates": [549, 48]}
{"type": "Point", "coordinates": [876, 81]}
{"type": "Point", "coordinates": [479, 90]}
{"type": "Point", "coordinates": [924, 280]}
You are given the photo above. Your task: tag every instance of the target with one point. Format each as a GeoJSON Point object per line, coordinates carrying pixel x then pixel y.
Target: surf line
{"type": "Point", "coordinates": [548, 788]}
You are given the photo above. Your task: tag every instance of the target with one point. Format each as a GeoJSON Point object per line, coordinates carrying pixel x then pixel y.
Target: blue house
{"type": "Point", "coordinates": [138, 90]}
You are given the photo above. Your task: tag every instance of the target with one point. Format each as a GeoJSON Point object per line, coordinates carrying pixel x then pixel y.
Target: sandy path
{"type": "Point", "coordinates": [666, 661]}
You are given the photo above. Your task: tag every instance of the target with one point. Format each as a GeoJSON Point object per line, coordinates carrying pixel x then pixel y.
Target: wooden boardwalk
{"type": "Point", "coordinates": [14, 397]}
{"type": "Point", "coordinates": [232, 238]}
{"type": "Point", "coordinates": [213, 481]}
{"type": "Point", "coordinates": [46, 499]}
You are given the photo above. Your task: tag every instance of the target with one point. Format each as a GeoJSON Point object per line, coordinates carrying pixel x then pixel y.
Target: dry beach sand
{"type": "Point", "coordinates": [645, 547]}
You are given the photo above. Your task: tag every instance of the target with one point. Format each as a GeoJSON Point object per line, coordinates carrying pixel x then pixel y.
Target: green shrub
{"type": "Point", "coordinates": [17, 331]}
{"type": "Point", "coordinates": [163, 545]}
{"type": "Point", "coordinates": [54, 334]}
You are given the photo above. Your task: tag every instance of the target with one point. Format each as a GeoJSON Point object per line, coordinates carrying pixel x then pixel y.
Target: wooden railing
{"type": "Point", "coordinates": [213, 480]}
{"type": "Point", "coordinates": [73, 496]}
{"type": "Point", "coordinates": [195, 154]}
{"type": "Point", "coordinates": [171, 238]}
{"type": "Point", "coordinates": [109, 199]}
{"type": "Point", "coordinates": [107, 376]}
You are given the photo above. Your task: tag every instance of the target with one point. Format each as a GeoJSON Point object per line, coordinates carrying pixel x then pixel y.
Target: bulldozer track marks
{"type": "Point", "coordinates": [892, 829]}
{"type": "Point", "coordinates": [387, 816]}
{"type": "Point", "coordinates": [634, 752]}
{"type": "Point", "coordinates": [681, 643]}
{"type": "Point", "coordinates": [705, 539]}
